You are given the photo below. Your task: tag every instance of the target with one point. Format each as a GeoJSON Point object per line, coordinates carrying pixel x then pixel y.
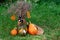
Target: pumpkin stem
{"type": "Point", "coordinates": [29, 22]}
{"type": "Point", "coordinates": [15, 28]}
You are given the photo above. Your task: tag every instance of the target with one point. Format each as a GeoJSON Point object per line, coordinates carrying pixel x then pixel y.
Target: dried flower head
{"type": "Point", "coordinates": [19, 8]}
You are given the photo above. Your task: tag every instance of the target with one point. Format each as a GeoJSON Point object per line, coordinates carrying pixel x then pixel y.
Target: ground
{"type": "Point", "coordinates": [45, 15]}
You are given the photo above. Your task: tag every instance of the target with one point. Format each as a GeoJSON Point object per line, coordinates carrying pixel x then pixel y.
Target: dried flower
{"type": "Point", "coordinates": [19, 8]}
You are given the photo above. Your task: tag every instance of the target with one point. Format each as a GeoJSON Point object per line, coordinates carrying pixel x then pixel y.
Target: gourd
{"type": "Point", "coordinates": [22, 31]}
{"type": "Point", "coordinates": [28, 14]}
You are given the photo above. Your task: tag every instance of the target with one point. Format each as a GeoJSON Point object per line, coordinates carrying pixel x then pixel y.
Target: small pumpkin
{"type": "Point", "coordinates": [32, 29]}
{"type": "Point", "coordinates": [13, 32]}
{"type": "Point", "coordinates": [13, 17]}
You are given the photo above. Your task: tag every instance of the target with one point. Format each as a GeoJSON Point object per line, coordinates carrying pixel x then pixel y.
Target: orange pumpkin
{"type": "Point", "coordinates": [13, 17]}
{"type": "Point", "coordinates": [13, 32]}
{"type": "Point", "coordinates": [32, 29]}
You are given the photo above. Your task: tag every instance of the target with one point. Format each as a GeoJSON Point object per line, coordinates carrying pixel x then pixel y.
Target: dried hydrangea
{"type": "Point", "coordinates": [19, 8]}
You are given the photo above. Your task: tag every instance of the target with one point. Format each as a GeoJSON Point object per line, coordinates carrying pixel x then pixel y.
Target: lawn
{"type": "Point", "coordinates": [45, 15]}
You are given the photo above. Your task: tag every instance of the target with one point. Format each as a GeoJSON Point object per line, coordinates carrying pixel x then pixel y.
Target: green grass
{"type": "Point", "coordinates": [46, 15]}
